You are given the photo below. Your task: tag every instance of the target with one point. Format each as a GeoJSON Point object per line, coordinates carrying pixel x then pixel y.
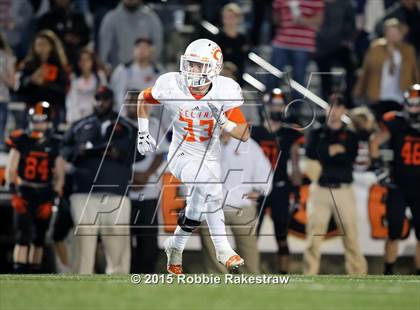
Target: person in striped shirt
{"type": "Point", "coordinates": [297, 22]}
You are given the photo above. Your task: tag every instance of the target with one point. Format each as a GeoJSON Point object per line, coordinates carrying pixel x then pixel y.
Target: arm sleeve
{"type": "Point", "coordinates": [235, 115]}
{"type": "Point", "coordinates": [148, 96]}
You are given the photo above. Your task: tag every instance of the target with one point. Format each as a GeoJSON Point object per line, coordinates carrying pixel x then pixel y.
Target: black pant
{"type": "Point", "coordinates": [279, 202]}
{"type": "Point", "coordinates": [344, 57]}
{"type": "Point", "coordinates": [399, 197]}
{"type": "Point", "coordinates": [144, 232]}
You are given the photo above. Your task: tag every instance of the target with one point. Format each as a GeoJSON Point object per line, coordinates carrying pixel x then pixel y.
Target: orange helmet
{"type": "Point", "coordinates": [40, 112]}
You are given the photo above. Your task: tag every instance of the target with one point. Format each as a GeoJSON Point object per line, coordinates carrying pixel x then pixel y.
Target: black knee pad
{"type": "Point", "coordinates": [187, 224]}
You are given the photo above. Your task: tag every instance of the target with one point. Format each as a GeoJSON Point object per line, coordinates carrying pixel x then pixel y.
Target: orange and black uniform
{"type": "Point", "coordinates": [405, 174]}
{"type": "Point", "coordinates": [277, 146]}
{"type": "Point", "coordinates": [33, 200]}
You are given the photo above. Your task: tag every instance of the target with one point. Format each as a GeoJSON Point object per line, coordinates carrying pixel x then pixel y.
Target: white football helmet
{"type": "Point", "coordinates": [201, 62]}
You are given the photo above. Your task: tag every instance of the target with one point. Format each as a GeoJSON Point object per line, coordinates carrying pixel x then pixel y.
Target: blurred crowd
{"type": "Point", "coordinates": [89, 59]}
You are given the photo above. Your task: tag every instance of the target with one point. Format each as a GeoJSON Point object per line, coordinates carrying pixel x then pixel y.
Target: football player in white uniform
{"type": "Point", "coordinates": [201, 103]}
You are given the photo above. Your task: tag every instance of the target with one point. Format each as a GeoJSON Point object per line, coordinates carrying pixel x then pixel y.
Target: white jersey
{"type": "Point", "coordinates": [195, 131]}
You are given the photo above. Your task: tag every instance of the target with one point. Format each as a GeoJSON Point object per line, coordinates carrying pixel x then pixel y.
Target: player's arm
{"type": "Point", "coordinates": [296, 176]}
{"type": "Point", "coordinates": [240, 132]}
{"type": "Point", "coordinates": [231, 121]}
{"type": "Point", "coordinates": [380, 137]}
{"type": "Point", "coordinates": [59, 176]}
{"type": "Point", "coordinates": [145, 142]}
{"type": "Point", "coordinates": [376, 140]}
{"type": "Point", "coordinates": [11, 174]}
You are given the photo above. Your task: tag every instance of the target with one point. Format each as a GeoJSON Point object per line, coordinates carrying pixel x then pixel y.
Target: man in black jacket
{"type": "Point", "coordinates": [335, 147]}
{"type": "Point", "coordinates": [101, 148]}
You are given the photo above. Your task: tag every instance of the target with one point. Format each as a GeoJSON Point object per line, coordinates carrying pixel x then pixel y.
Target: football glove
{"type": "Point", "coordinates": [220, 117]}
{"type": "Point", "coordinates": [145, 143]}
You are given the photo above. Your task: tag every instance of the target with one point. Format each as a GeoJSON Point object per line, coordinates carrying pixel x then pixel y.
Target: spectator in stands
{"type": "Point", "coordinates": [367, 15]}
{"type": "Point", "coordinates": [233, 43]}
{"type": "Point", "coordinates": [242, 189]}
{"type": "Point", "coordinates": [99, 9]}
{"type": "Point", "coordinates": [122, 26]}
{"type": "Point", "coordinates": [101, 148]}
{"type": "Point", "coordinates": [68, 25]}
{"type": "Point", "coordinates": [15, 20]}
{"type": "Point", "coordinates": [408, 13]}
{"type": "Point", "coordinates": [139, 73]}
{"type": "Point", "coordinates": [84, 82]}
{"type": "Point", "coordinates": [261, 12]}
{"type": "Point", "coordinates": [144, 194]}
{"type": "Point", "coordinates": [296, 24]}
{"type": "Point", "coordinates": [389, 68]}
{"type": "Point", "coordinates": [334, 145]}
{"type": "Point", "coordinates": [44, 74]}
{"type": "Point", "coordinates": [7, 80]}
{"type": "Point", "coordinates": [334, 45]}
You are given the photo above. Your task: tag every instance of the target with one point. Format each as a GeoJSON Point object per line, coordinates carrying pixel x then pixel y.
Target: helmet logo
{"type": "Point", "coordinates": [217, 53]}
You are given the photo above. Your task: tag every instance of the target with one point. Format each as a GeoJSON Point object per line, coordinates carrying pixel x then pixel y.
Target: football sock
{"type": "Point", "coordinates": [389, 268]}
{"type": "Point", "coordinates": [216, 223]}
{"type": "Point", "coordinates": [180, 238]}
{"type": "Point", "coordinates": [418, 272]}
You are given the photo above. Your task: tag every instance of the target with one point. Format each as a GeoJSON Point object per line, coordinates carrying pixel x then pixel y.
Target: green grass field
{"type": "Point", "coordinates": [117, 292]}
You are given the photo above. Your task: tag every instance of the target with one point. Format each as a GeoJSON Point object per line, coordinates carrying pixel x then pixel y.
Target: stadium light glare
{"type": "Point", "coordinates": [254, 82]}
{"type": "Point", "coordinates": [293, 84]}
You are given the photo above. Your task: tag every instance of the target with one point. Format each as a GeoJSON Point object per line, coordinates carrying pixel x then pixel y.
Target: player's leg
{"type": "Point", "coordinates": [395, 211]}
{"type": "Point", "coordinates": [185, 169]}
{"type": "Point", "coordinates": [23, 220]}
{"type": "Point", "coordinates": [319, 212]}
{"type": "Point", "coordinates": [208, 253]}
{"type": "Point", "coordinates": [209, 176]}
{"type": "Point", "coordinates": [414, 203]}
{"type": "Point", "coordinates": [281, 218]}
{"type": "Point", "coordinates": [345, 213]}
{"type": "Point", "coordinates": [41, 223]}
{"type": "Point", "coordinates": [23, 241]}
